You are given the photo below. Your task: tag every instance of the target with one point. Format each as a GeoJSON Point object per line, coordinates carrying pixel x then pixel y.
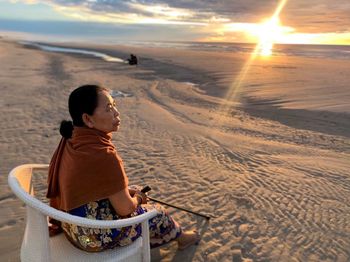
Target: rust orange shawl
{"type": "Point", "coordinates": [84, 168]}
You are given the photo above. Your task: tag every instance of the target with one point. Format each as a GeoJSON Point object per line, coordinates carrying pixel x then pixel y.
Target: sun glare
{"type": "Point", "coordinates": [267, 34]}
{"type": "Point", "coordinates": [270, 31]}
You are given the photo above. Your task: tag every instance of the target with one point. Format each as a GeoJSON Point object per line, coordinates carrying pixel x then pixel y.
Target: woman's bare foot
{"type": "Point", "coordinates": [187, 238]}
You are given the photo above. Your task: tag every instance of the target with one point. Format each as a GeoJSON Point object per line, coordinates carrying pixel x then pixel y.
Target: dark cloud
{"type": "Point", "coordinates": [234, 10]}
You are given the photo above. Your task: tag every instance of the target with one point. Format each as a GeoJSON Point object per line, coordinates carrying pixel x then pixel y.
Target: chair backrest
{"type": "Point", "coordinates": [20, 181]}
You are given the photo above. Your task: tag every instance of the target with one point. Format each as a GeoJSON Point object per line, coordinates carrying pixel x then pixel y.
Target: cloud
{"type": "Point", "coordinates": [308, 16]}
{"type": "Point", "coordinates": [318, 16]}
{"type": "Point", "coordinates": [187, 11]}
{"type": "Point", "coordinates": [208, 16]}
{"type": "Point", "coordinates": [100, 31]}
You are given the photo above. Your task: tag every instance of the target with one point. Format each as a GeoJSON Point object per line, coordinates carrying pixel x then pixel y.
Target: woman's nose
{"type": "Point", "coordinates": [116, 112]}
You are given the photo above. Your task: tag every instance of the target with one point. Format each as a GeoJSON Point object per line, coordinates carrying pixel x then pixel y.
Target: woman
{"type": "Point", "coordinates": [87, 178]}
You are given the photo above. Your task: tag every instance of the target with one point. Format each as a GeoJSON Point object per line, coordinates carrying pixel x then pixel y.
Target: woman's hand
{"type": "Point", "coordinates": [132, 191]}
{"type": "Point", "coordinates": [124, 204]}
{"type": "Point", "coordinates": [142, 196]}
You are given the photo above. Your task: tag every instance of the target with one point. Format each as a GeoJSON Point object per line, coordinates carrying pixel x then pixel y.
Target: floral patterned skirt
{"type": "Point", "coordinates": [163, 228]}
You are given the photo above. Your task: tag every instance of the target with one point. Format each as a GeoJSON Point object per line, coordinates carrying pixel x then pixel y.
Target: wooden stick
{"type": "Point", "coordinates": [177, 207]}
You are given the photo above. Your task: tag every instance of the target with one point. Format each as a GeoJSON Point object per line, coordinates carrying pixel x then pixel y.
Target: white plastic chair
{"type": "Point", "coordinates": [38, 246]}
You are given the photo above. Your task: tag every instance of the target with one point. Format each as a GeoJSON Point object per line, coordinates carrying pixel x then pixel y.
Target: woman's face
{"type": "Point", "coordinates": [106, 116]}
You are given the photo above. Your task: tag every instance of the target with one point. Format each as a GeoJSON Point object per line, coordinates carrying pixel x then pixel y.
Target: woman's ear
{"type": "Point", "coordinates": [87, 120]}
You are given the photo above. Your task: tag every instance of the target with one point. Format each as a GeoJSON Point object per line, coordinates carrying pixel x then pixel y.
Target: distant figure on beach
{"type": "Point", "coordinates": [132, 60]}
{"type": "Point", "coordinates": [87, 179]}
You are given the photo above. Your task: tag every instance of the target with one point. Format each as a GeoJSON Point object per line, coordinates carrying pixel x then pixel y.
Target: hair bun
{"type": "Point", "coordinates": [66, 129]}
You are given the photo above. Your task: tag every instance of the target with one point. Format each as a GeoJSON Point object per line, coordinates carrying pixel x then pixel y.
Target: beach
{"type": "Point", "coordinates": [262, 145]}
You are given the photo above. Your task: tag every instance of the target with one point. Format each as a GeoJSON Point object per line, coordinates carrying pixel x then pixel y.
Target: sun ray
{"type": "Point", "coordinates": [264, 46]}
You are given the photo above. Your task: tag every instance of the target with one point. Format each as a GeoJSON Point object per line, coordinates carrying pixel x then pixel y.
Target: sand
{"type": "Point", "coordinates": [272, 165]}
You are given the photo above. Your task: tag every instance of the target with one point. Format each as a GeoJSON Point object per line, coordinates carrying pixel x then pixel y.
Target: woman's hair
{"type": "Point", "coordinates": [81, 100]}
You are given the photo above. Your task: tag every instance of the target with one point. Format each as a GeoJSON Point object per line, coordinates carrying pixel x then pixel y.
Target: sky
{"type": "Point", "coordinates": [253, 21]}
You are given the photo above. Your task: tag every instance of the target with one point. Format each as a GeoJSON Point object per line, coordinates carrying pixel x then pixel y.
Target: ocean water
{"type": "Point", "coordinates": [59, 49]}
{"type": "Point", "coordinates": [312, 51]}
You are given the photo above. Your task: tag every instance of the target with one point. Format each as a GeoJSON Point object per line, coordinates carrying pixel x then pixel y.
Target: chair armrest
{"type": "Point", "coordinates": [68, 218]}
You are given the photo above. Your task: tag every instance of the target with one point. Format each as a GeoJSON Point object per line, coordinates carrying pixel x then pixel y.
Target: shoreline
{"type": "Point", "coordinates": [265, 107]}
